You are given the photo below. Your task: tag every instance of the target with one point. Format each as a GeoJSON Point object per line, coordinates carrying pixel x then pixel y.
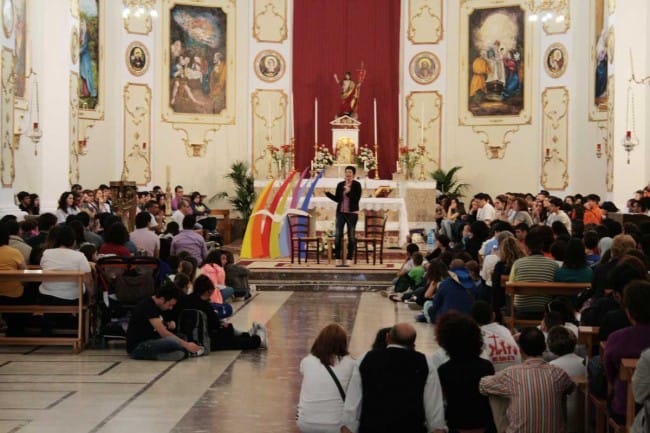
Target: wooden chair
{"type": "Point", "coordinates": [373, 236]}
{"type": "Point", "coordinates": [301, 239]}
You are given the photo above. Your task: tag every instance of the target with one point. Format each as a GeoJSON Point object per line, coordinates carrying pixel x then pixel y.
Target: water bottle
{"type": "Point", "coordinates": [431, 240]}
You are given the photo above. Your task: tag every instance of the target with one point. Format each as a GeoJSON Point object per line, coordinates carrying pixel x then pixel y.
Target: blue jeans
{"type": "Point", "coordinates": [227, 293]}
{"type": "Point", "coordinates": [343, 219]}
{"type": "Point", "coordinates": [161, 349]}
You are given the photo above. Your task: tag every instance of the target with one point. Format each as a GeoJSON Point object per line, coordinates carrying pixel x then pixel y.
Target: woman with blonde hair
{"type": "Point", "coordinates": [509, 251]}
{"type": "Point", "coordinates": [326, 373]}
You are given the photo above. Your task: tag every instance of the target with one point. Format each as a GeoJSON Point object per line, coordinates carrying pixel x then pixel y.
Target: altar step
{"type": "Point", "coordinates": [323, 279]}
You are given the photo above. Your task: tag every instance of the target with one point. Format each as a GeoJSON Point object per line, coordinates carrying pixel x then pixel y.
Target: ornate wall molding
{"type": "Point", "coordinates": [270, 20]}
{"type": "Point", "coordinates": [269, 120]}
{"type": "Point", "coordinates": [74, 149]}
{"type": "Point", "coordinates": [424, 127]}
{"type": "Point", "coordinates": [7, 165]}
{"type": "Point", "coordinates": [495, 139]}
{"type": "Point", "coordinates": [555, 138]}
{"type": "Point", "coordinates": [609, 146]}
{"type": "Point", "coordinates": [139, 25]}
{"type": "Point", "coordinates": [552, 27]}
{"type": "Point", "coordinates": [136, 162]}
{"type": "Point", "coordinates": [196, 138]}
{"type": "Point", "coordinates": [97, 113]}
{"type": "Point", "coordinates": [425, 21]}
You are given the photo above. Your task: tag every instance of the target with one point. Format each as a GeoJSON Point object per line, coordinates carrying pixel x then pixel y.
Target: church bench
{"type": "Point", "coordinates": [625, 373]}
{"type": "Point", "coordinates": [535, 288]}
{"type": "Point", "coordinates": [589, 337]}
{"type": "Point", "coordinates": [81, 310]}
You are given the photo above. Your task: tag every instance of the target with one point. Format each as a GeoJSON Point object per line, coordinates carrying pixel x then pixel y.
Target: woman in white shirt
{"type": "Point", "coordinates": [321, 404]}
{"type": "Point", "coordinates": [66, 207]}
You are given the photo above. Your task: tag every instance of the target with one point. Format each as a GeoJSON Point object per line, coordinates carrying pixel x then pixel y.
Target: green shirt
{"type": "Point", "coordinates": [417, 275]}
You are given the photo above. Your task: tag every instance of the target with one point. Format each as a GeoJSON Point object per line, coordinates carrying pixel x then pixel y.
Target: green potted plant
{"type": "Point", "coordinates": [448, 183]}
{"type": "Point", "coordinates": [243, 198]}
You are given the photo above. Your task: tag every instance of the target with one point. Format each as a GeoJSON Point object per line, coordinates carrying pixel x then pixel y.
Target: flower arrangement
{"type": "Point", "coordinates": [366, 158]}
{"type": "Point", "coordinates": [409, 157]}
{"type": "Point", "coordinates": [281, 153]}
{"type": "Point", "coordinates": [323, 158]}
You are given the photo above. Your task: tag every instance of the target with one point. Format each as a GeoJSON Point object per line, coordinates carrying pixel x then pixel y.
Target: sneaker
{"type": "Point", "coordinates": [420, 318]}
{"type": "Point", "coordinates": [253, 330]}
{"type": "Point", "coordinates": [395, 297]}
{"type": "Point", "coordinates": [198, 353]}
{"type": "Point", "coordinates": [264, 339]}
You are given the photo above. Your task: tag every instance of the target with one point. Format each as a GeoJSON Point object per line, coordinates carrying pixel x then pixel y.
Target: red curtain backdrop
{"type": "Point", "coordinates": [335, 36]}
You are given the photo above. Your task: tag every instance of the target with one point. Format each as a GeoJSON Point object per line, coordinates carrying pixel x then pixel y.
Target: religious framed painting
{"type": "Point", "coordinates": [599, 59]}
{"type": "Point", "coordinates": [495, 85]}
{"type": "Point", "coordinates": [269, 66]}
{"type": "Point", "coordinates": [555, 60]}
{"type": "Point", "coordinates": [22, 60]}
{"type": "Point", "coordinates": [91, 58]}
{"type": "Point", "coordinates": [198, 57]}
{"type": "Point", "coordinates": [424, 67]}
{"type": "Point", "coordinates": [137, 58]}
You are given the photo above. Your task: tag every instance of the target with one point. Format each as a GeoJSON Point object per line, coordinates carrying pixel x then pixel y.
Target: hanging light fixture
{"type": "Point", "coordinates": [630, 141]}
{"type": "Point", "coordinates": [35, 132]}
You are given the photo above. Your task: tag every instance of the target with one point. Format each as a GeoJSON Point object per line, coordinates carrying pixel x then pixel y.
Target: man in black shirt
{"type": "Point", "coordinates": [348, 194]}
{"type": "Point", "coordinates": [148, 337]}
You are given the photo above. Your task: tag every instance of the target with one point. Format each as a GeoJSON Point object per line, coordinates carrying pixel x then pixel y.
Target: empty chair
{"type": "Point", "coordinates": [301, 239]}
{"type": "Point", "coordinates": [373, 236]}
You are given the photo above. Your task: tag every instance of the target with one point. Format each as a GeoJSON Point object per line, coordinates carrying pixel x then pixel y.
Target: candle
{"type": "Point", "coordinates": [628, 135]}
{"type": "Point", "coordinates": [598, 147]}
{"type": "Point", "coordinates": [168, 173]}
{"type": "Point", "coordinates": [365, 167]}
{"type": "Point", "coordinates": [375, 113]}
{"type": "Point", "coordinates": [35, 125]}
{"type": "Point", "coordinates": [396, 166]}
{"type": "Point", "coordinates": [291, 119]}
{"type": "Point", "coordinates": [311, 163]}
{"type": "Point", "coordinates": [548, 152]}
{"type": "Point", "coordinates": [315, 120]}
{"type": "Point", "coordinates": [422, 124]}
{"type": "Point", "coordinates": [399, 115]}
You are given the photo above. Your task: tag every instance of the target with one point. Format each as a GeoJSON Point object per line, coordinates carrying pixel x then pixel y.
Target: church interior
{"type": "Point", "coordinates": [516, 95]}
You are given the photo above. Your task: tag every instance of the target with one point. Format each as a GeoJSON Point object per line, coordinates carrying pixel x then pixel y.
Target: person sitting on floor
{"type": "Point", "coordinates": [223, 336]}
{"type": "Point", "coordinates": [457, 292]}
{"type": "Point", "coordinates": [148, 337]}
{"type": "Point", "coordinates": [499, 346]}
{"type": "Point", "coordinates": [534, 388]}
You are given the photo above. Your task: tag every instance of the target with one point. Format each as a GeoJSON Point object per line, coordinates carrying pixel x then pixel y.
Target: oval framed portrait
{"type": "Point", "coordinates": [137, 58]}
{"type": "Point", "coordinates": [555, 60]}
{"type": "Point", "coordinates": [8, 17]}
{"type": "Point", "coordinates": [269, 66]}
{"type": "Point", "coordinates": [424, 67]}
{"type": "Point", "coordinates": [74, 45]}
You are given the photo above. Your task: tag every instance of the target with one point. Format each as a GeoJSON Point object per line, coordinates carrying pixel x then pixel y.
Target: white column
{"type": "Point", "coordinates": [631, 31]}
{"type": "Point", "coordinates": [51, 29]}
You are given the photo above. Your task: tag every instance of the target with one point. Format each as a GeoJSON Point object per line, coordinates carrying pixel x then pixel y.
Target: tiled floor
{"type": "Point", "coordinates": [50, 390]}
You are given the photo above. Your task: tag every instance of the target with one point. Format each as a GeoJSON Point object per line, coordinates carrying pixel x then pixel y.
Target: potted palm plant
{"type": "Point", "coordinates": [243, 198]}
{"type": "Point", "coordinates": [448, 183]}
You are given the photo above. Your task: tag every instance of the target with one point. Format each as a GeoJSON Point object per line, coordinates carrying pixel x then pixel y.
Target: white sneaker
{"type": "Point", "coordinates": [253, 329]}
{"type": "Point", "coordinates": [199, 352]}
{"type": "Point", "coordinates": [264, 341]}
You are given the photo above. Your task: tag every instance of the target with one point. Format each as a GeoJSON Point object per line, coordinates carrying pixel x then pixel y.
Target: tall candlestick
{"type": "Point", "coordinates": [168, 172]}
{"type": "Point", "coordinates": [315, 120]}
{"type": "Point", "coordinates": [292, 118]}
{"type": "Point", "coordinates": [375, 113]}
{"type": "Point", "coordinates": [422, 125]}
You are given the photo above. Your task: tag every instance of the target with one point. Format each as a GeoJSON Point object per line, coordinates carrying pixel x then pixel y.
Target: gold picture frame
{"type": "Point", "coordinates": [424, 67]}
{"type": "Point", "coordinates": [137, 58]}
{"type": "Point", "coordinates": [598, 59]}
{"type": "Point", "coordinates": [555, 60]}
{"type": "Point", "coordinates": [509, 100]}
{"type": "Point", "coordinates": [269, 66]}
{"type": "Point", "coordinates": [22, 54]}
{"type": "Point", "coordinates": [184, 100]}
{"type": "Point", "coordinates": [8, 17]}
{"type": "Point", "coordinates": [86, 110]}
{"type": "Point", "coordinates": [74, 45]}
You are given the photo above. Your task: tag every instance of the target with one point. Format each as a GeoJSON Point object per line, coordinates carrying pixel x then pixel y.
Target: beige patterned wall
{"type": "Point", "coordinates": [138, 25]}
{"type": "Point", "coordinates": [424, 127]}
{"type": "Point", "coordinates": [137, 133]}
{"type": "Point", "coordinates": [76, 148]}
{"type": "Point", "coordinates": [425, 21]}
{"type": "Point", "coordinates": [269, 111]}
{"type": "Point", "coordinates": [555, 138]}
{"type": "Point", "coordinates": [7, 165]}
{"type": "Point", "coordinates": [552, 27]}
{"type": "Point", "coordinates": [270, 20]}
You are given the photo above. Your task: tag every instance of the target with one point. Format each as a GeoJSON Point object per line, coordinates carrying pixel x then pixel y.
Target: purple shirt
{"type": "Point", "coordinates": [625, 343]}
{"type": "Point", "coordinates": [191, 242]}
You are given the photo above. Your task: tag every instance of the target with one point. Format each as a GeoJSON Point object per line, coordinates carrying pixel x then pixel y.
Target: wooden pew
{"type": "Point", "coordinates": [533, 288]}
{"type": "Point", "coordinates": [625, 373]}
{"type": "Point", "coordinates": [80, 309]}
{"type": "Point", "coordinates": [588, 336]}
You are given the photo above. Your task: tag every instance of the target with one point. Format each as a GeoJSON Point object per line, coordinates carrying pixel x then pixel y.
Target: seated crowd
{"type": "Point", "coordinates": [192, 274]}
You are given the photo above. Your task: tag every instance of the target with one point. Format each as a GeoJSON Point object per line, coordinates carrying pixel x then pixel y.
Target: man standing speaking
{"type": "Point", "coordinates": [348, 194]}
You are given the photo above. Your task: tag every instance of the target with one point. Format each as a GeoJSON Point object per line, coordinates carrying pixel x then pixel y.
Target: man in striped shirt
{"type": "Point", "coordinates": [534, 388]}
{"type": "Point", "coordinates": [533, 268]}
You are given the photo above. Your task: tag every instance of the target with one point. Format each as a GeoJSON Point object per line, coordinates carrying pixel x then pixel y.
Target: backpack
{"type": "Point", "coordinates": [134, 284]}
{"type": "Point", "coordinates": [193, 324]}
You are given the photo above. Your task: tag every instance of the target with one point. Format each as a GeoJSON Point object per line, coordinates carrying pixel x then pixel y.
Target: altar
{"type": "Point", "coordinates": [410, 205]}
